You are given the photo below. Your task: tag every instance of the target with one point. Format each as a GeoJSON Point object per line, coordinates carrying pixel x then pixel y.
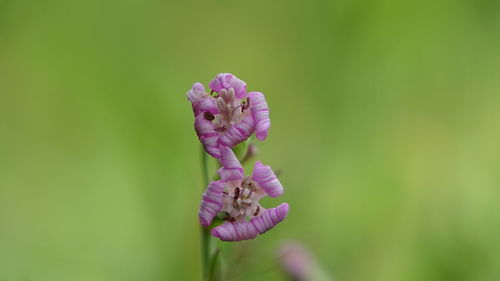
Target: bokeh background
{"type": "Point", "coordinates": [385, 124]}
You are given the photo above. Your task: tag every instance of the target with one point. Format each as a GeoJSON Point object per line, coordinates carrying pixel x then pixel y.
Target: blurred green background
{"type": "Point", "coordinates": [385, 123]}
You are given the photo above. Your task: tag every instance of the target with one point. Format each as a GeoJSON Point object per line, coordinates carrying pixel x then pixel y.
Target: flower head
{"type": "Point", "coordinates": [238, 198]}
{"type": "Point", "coordinates": [230, 116]}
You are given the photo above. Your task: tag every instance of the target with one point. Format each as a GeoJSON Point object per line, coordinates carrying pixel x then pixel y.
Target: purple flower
{"type": "Point", "coordinates": [230, 116]}
{"type": "Point", "coordinates": [238, 198]}
{"type": "Point", "coordinates": [296, 261]}
{"type": "Point", "coordinates": [299, 264]}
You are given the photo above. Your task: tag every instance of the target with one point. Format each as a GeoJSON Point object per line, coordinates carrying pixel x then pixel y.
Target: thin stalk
{"type": "Point", "coordinates": [204, 168]}
{"type": "Point", "coordinates": [206, 249]}
{"type": "Point", "coordinates": [205, 232]}
{"type": "Point", "coordinates": [213, 265]}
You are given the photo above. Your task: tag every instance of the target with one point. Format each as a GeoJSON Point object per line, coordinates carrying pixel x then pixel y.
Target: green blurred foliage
{"type": "Point", "coordinates": [385, 121]}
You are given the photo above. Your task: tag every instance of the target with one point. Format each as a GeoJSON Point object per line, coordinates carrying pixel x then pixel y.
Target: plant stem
{"type": "Point", "coordinates": [206, 249]}
{"type": "Point", "coordinates": [204, 167]}
{"type": "Point", "coordinates": [205, 232]}
{"type": "Point", "coordinates": [213, 265]}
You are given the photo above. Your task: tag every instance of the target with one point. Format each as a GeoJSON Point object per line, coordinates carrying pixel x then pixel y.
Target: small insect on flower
{"type": "Point", "coordinates": [228, 115]}
{"type": "Point", "coordinates": [238, 197]}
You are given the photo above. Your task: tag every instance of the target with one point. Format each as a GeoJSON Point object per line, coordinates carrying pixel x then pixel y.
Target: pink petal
{"type": "Point", "coordinates": [245, 230]}
{"type": "Point", "coordinates": [270, 217]}
{"type": "Point", "coordinates": [196, 93]}
{"type": "Point", "coordinates": [238, 133]}
{"type": "Point", "coordinates": [200, 100]}
{"type": "Point", "coordinates": [260, 113]}
{"type": "Point", "coordinates": [236, 231]}
{"type": "Point", "coordinates": [265, 177]}
{"type": "Point", "coordinates": [226, 232]}
{"type": "Point", "coordinates": [207, 135]}
{"type": "Point", "coordinates": [228, 80]}
{"type": "Point", "coordinates": [211, 203]}
{"type": "Point", "coordinates": [231, 167]}
{"type": "Point", "coordinates": [205, 105]}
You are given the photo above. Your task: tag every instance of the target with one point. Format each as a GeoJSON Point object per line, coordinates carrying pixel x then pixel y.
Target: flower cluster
{"type": "Point", "coordinates": [228, 115]}
{"type": "Point", "coordinates": [224, 118]}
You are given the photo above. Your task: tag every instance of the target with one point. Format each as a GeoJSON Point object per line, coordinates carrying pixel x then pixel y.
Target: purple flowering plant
{"type": "Point", "coordinates": [225, 117]}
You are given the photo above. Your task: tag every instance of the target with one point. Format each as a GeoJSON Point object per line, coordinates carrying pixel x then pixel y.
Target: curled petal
{"type": "Point", "coordinates": [227, 231]}
{"type": "Point", "coordinates": [207, 135]}
{"type": "Point", "coordinates": [231, 167]}
{"type": "Point", "coordinates": [265, 177]}
{"type": "Point", "coordinates": [270, 217]}
{"type": "Point", "coordinates": [228, 80]}
{"type": "Point", "coordinates": [260, 113]}
{"type": "Point", "coordinates": [235, 231]}
{"type": "Point", "coordinates": [244, 230]}
{"type": "Point", "coordinates": [197, 92]}
{"type": "Point", "coordinates": [238, 133]}
{"type": "Point", "coordinates": [211, 202]}
{"type": "Point", "coordinates": [205, 105]}
{"type": "Point", "coordinates": [200, 100]}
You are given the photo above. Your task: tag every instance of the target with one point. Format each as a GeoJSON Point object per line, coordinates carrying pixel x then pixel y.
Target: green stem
{"type": "Point", "coordinates": [213, 265]}
{"type": "Point", "coordinates": [205, 232]}
{"type": "Point", "coordinates": [206, 249]}
{"type": "Point", "coordinates": [204, 167]}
